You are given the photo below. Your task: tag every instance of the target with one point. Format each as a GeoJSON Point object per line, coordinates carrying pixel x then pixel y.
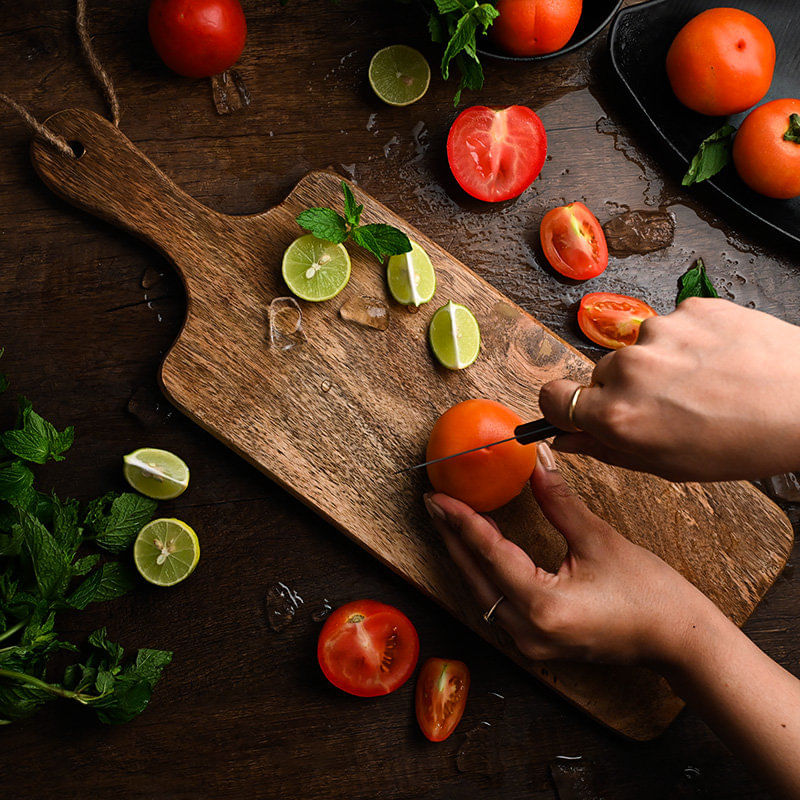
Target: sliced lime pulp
{"type": "Point", "coordinates": [315, 269]}
{"type": "Point", "coordinates": [399, 75]}
{"type": "Point", "coordinates": [166, 551]}
{"type": "Point", "coordinates": [156, 473]}
{"type": "Point", "coordinates": [454, 336]}
{"type": "Point", "coordinates": [411, 277]}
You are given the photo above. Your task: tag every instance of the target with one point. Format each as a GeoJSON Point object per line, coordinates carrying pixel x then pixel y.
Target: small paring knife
{"type": "Point", "coordinates": [527, 433]}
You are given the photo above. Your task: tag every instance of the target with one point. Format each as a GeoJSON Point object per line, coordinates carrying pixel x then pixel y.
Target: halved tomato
{"type": "Point", "coordinates": [442, 689]}
{"type": "Point", "coordinates": [496, 153]}
{"type": "Point", "coordinates": [612, 320]}
{"type": "Point", "coordinates": [367, 648]}
{"type": "Point", "coordinates": [573, 241]}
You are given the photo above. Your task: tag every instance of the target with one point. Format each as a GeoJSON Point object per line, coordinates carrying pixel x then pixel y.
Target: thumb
{"type": "Point", "coordinates": [565, 511]}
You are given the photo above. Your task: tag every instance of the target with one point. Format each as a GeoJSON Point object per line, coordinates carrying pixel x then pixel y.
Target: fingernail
{"type": "Point", "coordinates": [433, 509]}
{"type": "Point", "coordinates": [546, 457]}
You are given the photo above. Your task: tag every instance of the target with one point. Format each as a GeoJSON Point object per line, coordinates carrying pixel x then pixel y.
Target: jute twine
{"type": "Point", "coordinates": [101, 76]}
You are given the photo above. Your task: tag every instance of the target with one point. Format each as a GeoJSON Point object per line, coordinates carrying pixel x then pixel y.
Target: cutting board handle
{"type": "Point", "coordinates": [115, 181]}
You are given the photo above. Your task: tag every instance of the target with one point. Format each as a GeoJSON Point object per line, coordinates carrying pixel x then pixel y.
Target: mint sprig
{"type": "Point", "coordinates": [714, 154]}
{"type": "Point", "coordinates": [695, 283]}
{"type": "Point", "coordinates": [45, 569]}
{"type": "Point", "coordinates": [380, 239]}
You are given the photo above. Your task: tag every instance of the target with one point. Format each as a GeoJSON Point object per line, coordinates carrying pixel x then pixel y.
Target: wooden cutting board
{"type": "Point", "coordinates": [331, 420]}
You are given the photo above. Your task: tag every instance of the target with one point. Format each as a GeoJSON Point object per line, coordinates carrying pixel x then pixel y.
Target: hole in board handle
{"type": "Point", "coordinates": [77, 148]}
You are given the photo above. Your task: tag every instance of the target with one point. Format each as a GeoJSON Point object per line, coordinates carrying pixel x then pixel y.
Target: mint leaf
{"type": "Point", "coordinates": [109, 650]}
{"type": "Point", "coordinates": [150, 664]}
{"type": "Point", "coordinates": [324, 223]}
{"type": "Point", "coordinates": [35, 439]}
{"type": "Point", "coordinates": [364, 238]}
{"type": "Point", "coordinates": [695, 283]}
{"type": "Point", "coordinates": [15, 481]}
{"type": "Point", "coordinates": [713, 155]}
{"type": "Point", "coordinates": [793, 131]}
{"type": "Point", "coordinates": [435, 28]}
{"type": "Point", "coordinates": [389, 240]}
{"type": "Point", "coordinates": [85, 564]}
{"type": "Point", "coordinates": [128, 696]}
{"type": "Point", "coordinates": [50, 564]}
{"type": "Point", "coordinates": [115, 520]}
{"type": "Point", "coordinates": [462, 37]}
{"type": "Point", "coordinates": [66, 530]}
{"type": "Point", "coordinates": [351, 209]}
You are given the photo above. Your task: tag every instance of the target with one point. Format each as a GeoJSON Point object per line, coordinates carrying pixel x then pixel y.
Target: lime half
{"type": "Point", "coordinates": [166, 551]}
{"type": "Point", "coordinates": [411, 278]}
{"type": "Point", "coordinates": [454, 336]}
{"type": "Point", "coordinates": [156, 473]}
{"type": "Point", "coordinates": [399, 75]}
{"type": "Point", "coordinates": [315, 269]}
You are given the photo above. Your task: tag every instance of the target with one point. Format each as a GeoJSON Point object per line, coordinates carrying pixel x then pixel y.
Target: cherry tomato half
{"type": "Point", "coordinates": [197, 38]}
{"type": "Point", "coordinates": [496, 154]}
{"type": "Point", "coordinates": [367, 648]}
{"type": "Point", "coordinates": [573, 242]}
{"type": "Point", "coordinates": [490, 477]}
{"type": "Point", "coordinates": [612, 320]}
{"type": "Point", "coordinates": [442, 689]}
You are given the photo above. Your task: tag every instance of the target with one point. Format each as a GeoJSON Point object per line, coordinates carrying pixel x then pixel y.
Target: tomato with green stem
{"type": "Point", "coordinates": [367, 648]}
{"type": "Point", "coordinates": [612, 320]}
{"type": "Point", "coordinates": [573, 242]}
{"type": "Point", "coordinates": [441, 696]}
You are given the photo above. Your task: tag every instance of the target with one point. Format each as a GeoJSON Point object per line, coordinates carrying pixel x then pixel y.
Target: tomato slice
{"type": "Point", "coordinates": [573, 241]}
{"type": "Point", "coordinates": [496, 154]}
{"type": "Point", "coordinates": [442, 689]}
{"type": "Point", "coordinates": [612, 320]}
{"type": "Point", "coordinates": [367, 648]}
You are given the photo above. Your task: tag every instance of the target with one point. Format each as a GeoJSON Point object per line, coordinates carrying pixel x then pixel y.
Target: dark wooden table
{"type": "Point", "coordinates": [87, 314]}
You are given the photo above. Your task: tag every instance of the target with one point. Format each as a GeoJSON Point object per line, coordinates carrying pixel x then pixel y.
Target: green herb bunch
{"type": "Point", "coordinates": [325, 223]}
{"type": "Point", "coordinates": [457, 24]}
{"type": "Point", "coordinates": [46, 567]}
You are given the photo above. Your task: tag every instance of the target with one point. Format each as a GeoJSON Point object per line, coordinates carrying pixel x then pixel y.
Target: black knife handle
{"type": "Point", "coordinates": [535, 431]}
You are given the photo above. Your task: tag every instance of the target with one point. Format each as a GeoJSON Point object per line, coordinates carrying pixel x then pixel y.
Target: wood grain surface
{"type": "Point", "coordinates": [336, 447]}
{"type": "Point", "coordinates": [89, 313]}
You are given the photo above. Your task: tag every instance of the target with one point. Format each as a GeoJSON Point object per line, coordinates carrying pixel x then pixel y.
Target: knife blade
{"type": "Point", "coordinates": [527, 433]}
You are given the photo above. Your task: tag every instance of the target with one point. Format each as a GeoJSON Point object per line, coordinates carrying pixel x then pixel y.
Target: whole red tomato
{"type": "Point", "coordinates": [766, 150]}
{"type": "Point", "coordinates": [573, 241]}
{"type": "Point", "coordinates": [488, 478]}
{"type": "Point", "coordinates": [197, 38]}
{"type": "Point", "coordinates": [535, 27]}
{"type": "Point", "coordinates": [721, 62]}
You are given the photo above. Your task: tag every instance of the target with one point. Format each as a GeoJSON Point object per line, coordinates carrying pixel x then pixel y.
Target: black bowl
{"type": "Point", "coordinates": [595, 16]}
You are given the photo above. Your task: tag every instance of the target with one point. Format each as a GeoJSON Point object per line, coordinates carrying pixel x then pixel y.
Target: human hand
{"type": "Point", "coordinates": [610, 601]}
{"type": "Point", "coordinates": [709, 392]}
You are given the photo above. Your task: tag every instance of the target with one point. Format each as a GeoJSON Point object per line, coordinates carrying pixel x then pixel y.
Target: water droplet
{"type": "Point", "coordinates": [229, 91]}
{"type": "Point", "coordinates": [149, 407]}
{"type": "Point", "coordinates": [367, 311]}
{"type": "Point", "coordinates": [479, 753]}
{"type": "Point", "coordinates": [350, 169]}
{"type": "Point", "coordinates": [372, 122]}
{"type": "Point", "coordinates": [321, 611]}
{"type": "Point", "coordinates": [282, 605]}
{"type": "Point", "coordinates": [150, 277]}
{"type": "Point", "coordinates": [573, 778]}
{"type": "Point", "coordinates": [784, 487]}
{"type": "Point", "coordinates": [285, 323]}
{"type": "Point", "coordinates": [387, 148]}
{"type": "Point", "coordinates": [325, 386]}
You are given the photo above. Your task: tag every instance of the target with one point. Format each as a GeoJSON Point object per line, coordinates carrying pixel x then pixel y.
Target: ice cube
{"type": "Point", "coordinates": [285, 323]}
{"type": "Point", "coordinates": [367, 311]}
{"type": "Point", "coordinates": [229, 91]}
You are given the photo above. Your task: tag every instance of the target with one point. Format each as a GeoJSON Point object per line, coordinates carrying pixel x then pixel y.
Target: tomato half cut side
{"type": "Point", "coordinates": [442, 689]}
{"type": "Point", "coordinates": [573, 241]}
{"type": "Point", "coordinates": [612, 320]}
{"type": "Point", "coordinates": [496, 153]}
{"type": "Point", "coordinates": [367, 648]}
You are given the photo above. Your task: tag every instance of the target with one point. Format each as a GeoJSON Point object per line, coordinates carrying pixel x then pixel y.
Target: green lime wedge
{"type": "Point", "coordinates": [156, 473]}
{"type": "Point", "coordinates": [399, 75]}
{"type": "Point", "coordinates": [315, 269]}
{"type": "Point", "coordinates": [454, 336]}
{"type": "Point", "coordinates": [411, 278]}
{"type": "Point", "coordinates": [166, 551]}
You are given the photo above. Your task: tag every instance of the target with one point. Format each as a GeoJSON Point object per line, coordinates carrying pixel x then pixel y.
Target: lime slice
{"type": "Point", "coordinates": [454, 336]}
{"type": "Point", "coordinates": [399, 75]}
{"type": "Point", "coordinates": [411, 278]}
{"type": "Point", "coordinates": [166, 551]}
{"type": "Point", "coordinates": [156, 473]}
{"type": "Point", "coordinates": [315, 269]}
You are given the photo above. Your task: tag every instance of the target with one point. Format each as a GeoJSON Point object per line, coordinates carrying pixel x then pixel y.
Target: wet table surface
{"type": "Point", "coordinates": [88, 313]}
